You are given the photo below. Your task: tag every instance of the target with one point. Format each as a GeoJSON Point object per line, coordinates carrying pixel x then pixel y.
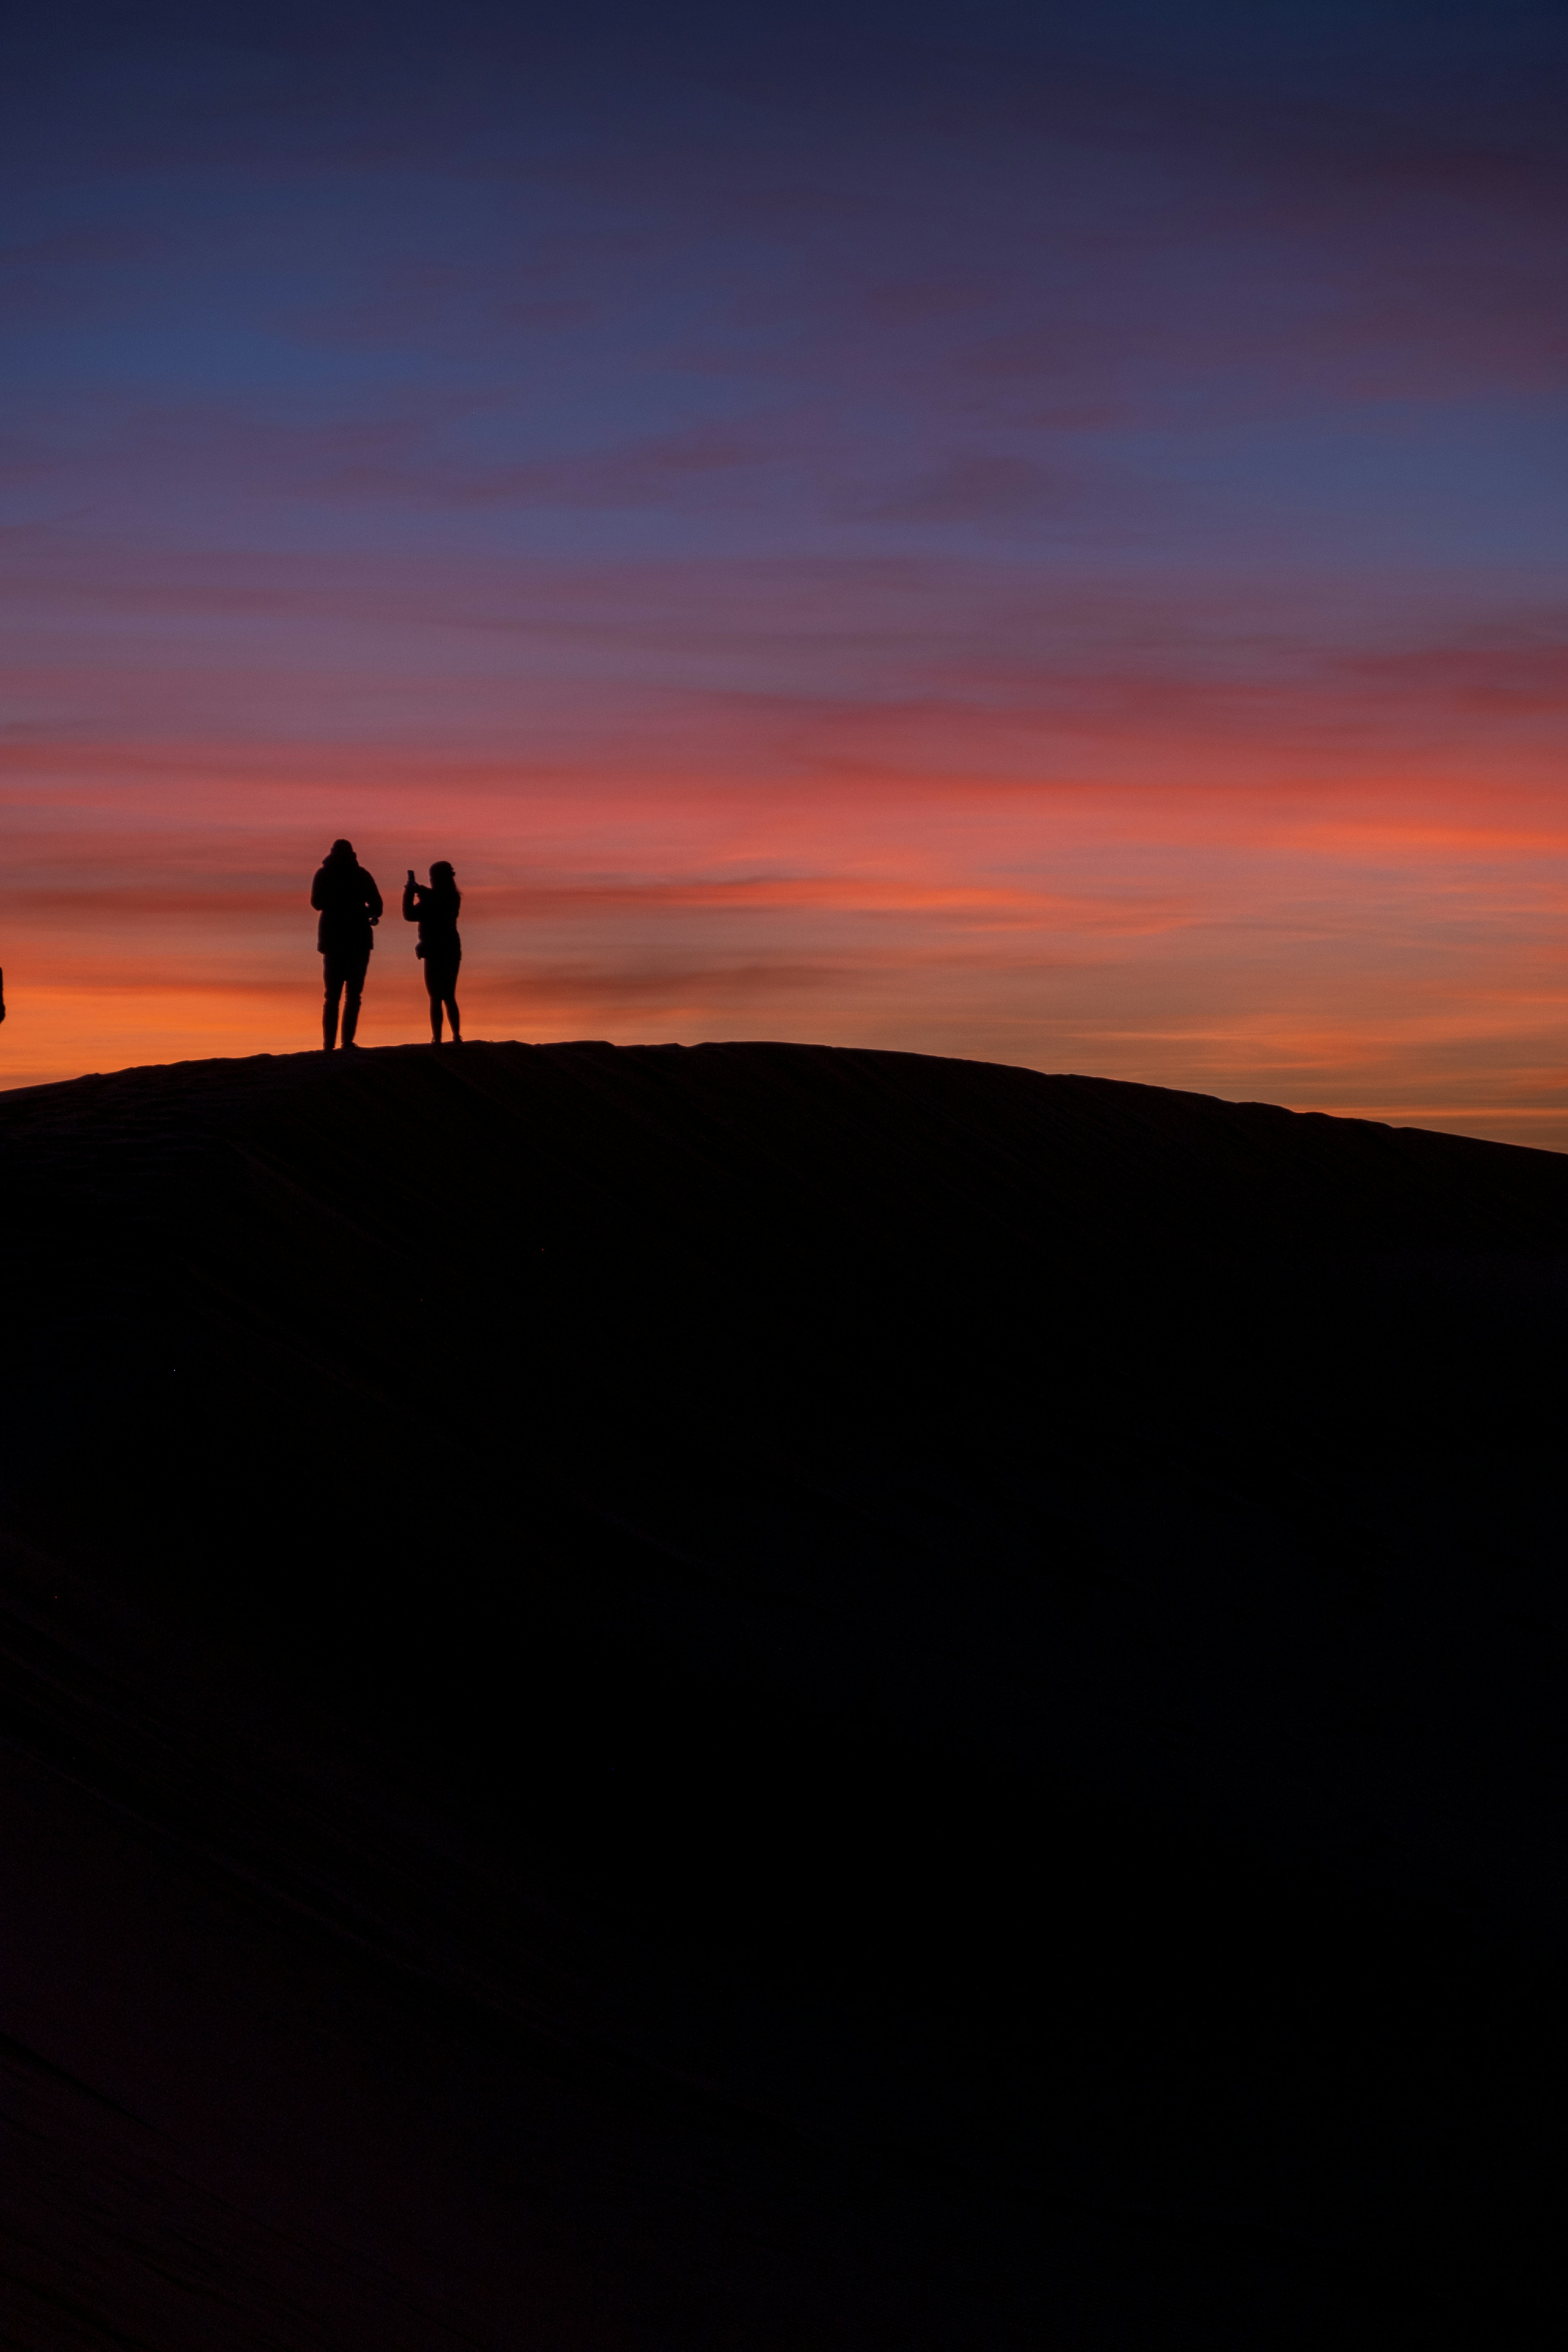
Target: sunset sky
{"type": "Point", "coordinates": [1025, 531]}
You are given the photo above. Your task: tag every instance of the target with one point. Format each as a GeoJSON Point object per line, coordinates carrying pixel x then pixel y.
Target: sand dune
{"type": "Point", "coordinates": [763, 1696]}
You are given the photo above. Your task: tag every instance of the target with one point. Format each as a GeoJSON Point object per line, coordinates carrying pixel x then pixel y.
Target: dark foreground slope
{"type": "Point", "coordinates": [774, 1698]}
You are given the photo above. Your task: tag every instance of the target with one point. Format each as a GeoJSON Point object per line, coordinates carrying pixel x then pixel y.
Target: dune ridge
{"type": "Point", "coordinates": [761, 1694]}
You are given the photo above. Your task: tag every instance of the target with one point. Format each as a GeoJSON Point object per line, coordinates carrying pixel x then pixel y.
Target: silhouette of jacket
{"type": "Point", "coordinates": [349, 902]}
{"type": "Point", "coordinates": [436, 911]}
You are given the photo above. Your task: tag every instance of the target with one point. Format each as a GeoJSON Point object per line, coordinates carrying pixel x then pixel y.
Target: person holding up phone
{"type": "Point", "coordinates": [434, 907]}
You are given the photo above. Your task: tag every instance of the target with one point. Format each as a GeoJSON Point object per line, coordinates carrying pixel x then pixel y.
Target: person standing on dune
{"type": "Point", "coordinates": [434, 907]}
{"type": "Point", "coordinates": [349, 904]}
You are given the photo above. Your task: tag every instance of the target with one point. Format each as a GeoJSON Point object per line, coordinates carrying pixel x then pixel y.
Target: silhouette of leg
{"type": "Point", "coordinates": [334, 987]}
{"type": "Point", "coordinates": [354, 986]}
{"type": "Point", "coordinates": [441, 979]}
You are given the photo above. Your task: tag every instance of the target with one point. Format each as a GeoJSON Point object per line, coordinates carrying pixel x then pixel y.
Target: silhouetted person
{"type": "Point", "coordinates": [434, 907]}
{"type": "Point", "coordinates": [2, 996]}
{"type": "Point", "coordinates": [349, 906]}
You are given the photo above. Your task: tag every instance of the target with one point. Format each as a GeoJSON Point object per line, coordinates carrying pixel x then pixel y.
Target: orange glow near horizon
{"type": "Point", "coordinates": [1376, 945]}
{"type": "Point", "coordinates": [1029, 534]}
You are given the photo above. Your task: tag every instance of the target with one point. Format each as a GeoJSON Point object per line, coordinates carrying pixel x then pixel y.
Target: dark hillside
{"type": "Point", "coordinates": [760, 1696]}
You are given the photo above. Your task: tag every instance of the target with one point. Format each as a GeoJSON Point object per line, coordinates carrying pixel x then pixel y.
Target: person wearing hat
{"type": "Point", "coordinates": [434, 907]}
{"type": "Point", "coordinates": [349, 905]}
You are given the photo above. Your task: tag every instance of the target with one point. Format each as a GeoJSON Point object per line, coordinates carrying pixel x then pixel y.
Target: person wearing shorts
{"type": "Point", "coordinates": [434, 905]}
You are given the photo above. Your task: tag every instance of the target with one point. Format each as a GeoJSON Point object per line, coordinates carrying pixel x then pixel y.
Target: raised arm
{"type": "Point", "coordinates": [411, 898]}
